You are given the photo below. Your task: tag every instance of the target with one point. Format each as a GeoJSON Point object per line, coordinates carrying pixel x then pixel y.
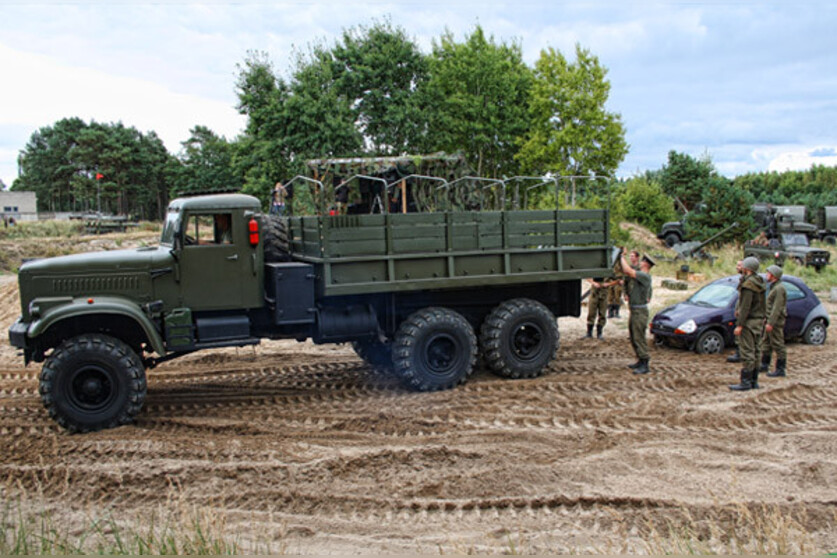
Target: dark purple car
{"type": "Point", "coordinates": [705, 322]}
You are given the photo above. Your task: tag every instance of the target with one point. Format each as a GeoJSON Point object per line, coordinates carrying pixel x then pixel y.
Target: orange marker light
{"type": "Point", "coordinates": [89, 301]}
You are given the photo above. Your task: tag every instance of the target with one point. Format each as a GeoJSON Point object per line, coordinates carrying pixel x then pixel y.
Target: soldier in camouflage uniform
{"type": "Point", "coordinates": [640, 296]}
{"type": "Point", "coordinates": [751, 311]}
{"type": "Point", "coordinates": [773, 339]}
{"type": "Point", "coordinates": [736, 357]}
{"type": "Point", "coordinates": [597, 306]}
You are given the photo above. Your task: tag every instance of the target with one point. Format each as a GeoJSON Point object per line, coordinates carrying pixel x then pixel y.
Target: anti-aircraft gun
{"type": "Point", "coordinates": [695, 249]}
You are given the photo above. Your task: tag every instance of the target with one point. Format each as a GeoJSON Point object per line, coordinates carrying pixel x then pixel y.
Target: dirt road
{"type": "Point", "coordinates": [308, 446]}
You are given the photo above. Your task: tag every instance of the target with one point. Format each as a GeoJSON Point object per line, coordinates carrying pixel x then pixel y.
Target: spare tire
{"type": "Point", "coordinates": [277, 245]}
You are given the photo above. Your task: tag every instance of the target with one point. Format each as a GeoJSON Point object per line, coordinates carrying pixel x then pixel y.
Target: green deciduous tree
{"type": "Point", "coordinates": [570, 131]}
{"type": "Point", "coordinates": [379, 69]}
{"type": "Point", "coordinates": [475, 98]}
{"type": "Point", "coordinates": [644, 202]}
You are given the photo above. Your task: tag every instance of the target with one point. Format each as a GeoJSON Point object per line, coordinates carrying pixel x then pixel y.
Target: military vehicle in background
{"type": "Point", "coordinates": [674, 232]}
{"type": "Point", "coordinates": [827, 224]}
{"type": "Point", "coordinates": [793, 246]}
{"type": "Point", "coordinates": [778, 219]}
{"type": "Point", "coordinates": [419, 293]}
{"type": "Point", "coordinates": [695, 250]}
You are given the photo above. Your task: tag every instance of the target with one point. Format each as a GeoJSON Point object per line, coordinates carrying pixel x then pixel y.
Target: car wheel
{"type": "Point", "coordinates": [815, 333]}
{"type": "Point", "coordinates": [830, 239]}
{"type": "Point", "coordinates": [710, 342]}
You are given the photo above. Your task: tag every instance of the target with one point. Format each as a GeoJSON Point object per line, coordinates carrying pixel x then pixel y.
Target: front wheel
{"type": "Point", "coordinates": [710, 343]}
{"type": "Point", "coordinates": [815, 333]}
{"type": "Point", "coordinates": [91, 382]}
{"type": "Point", "coordinates": [519, 338]}
{"type": "Point", "coordinates": [433, 349]}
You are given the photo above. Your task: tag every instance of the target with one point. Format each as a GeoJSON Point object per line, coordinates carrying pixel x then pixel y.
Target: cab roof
{"type": "Point", "coordinates": [215, 202]}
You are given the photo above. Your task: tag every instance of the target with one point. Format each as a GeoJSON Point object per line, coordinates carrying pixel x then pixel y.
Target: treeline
{"type": "Point", "coordinates": [372, 93]}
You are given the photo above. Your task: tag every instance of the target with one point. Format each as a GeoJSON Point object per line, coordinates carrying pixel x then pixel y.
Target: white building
{"type": "Point", "coordinates": [22, 206]}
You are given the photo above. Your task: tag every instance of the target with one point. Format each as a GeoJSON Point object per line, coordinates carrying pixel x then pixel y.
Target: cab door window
{"type": "Point", "coordinates": [209, 229]}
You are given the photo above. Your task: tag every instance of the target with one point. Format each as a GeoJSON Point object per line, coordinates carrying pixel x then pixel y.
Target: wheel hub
{"type": "Point", "coordinates": [91, 388]}
{"type": "Point", "coordinates": [527, 341]}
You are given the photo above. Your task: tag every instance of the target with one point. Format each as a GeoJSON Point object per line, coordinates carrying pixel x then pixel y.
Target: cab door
{"type": "Point", "coordinates": [215, 262]}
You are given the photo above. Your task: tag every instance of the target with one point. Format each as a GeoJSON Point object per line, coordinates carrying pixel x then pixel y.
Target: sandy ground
{"type": "Point", "coordinates": [309, 448]}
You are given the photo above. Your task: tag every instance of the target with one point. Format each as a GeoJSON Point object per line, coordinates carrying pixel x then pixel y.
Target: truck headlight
{"type": "Point", "coordinates": [686, 327]}
{"type": "Point", "coordinates": [34, 310]}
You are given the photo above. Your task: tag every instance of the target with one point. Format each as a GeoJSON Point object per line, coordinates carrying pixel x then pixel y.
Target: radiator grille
{"type": "Point", "coordinates": [107, 283]}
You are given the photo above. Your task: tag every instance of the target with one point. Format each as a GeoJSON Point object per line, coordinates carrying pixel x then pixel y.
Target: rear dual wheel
{"type": "Point", "coordinates": [519, 338]}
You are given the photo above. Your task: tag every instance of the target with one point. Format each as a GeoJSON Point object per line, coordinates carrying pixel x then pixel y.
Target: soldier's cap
{"type": "Point", "coordinates": [775, 271]}
{"type": "Point", "coordinates": [648, 259]}
{"type": "Point", "coordinates": [750, 263]}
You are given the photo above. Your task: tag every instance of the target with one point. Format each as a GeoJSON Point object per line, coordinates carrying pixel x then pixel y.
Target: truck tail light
{"type": "Point", "coordinates": [253, 226]}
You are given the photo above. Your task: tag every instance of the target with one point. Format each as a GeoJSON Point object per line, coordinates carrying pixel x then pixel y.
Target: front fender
{"type": "Point", "coordinates": [98, 306]}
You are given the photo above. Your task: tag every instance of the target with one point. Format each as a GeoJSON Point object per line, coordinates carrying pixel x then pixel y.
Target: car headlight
{"type": "Point", "coordinates": [686, 327]}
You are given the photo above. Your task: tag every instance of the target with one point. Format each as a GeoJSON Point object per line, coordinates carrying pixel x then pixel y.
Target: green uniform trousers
{"type": "Point", "coordinates": [748, 343]}
{"type": "Point", "coordinates": [638, 326]}
{"type": "Point", "coordinates": [597, 307]}
{"type": "Point", "coordinates": [774, 342]}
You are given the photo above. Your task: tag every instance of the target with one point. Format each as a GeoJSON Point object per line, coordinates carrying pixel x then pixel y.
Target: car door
{"type": "Point", "coordinates": [799, 304]}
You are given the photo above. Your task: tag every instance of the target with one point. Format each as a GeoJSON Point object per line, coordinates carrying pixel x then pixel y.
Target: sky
{"type": "Point", "coordinates": [750, 83]}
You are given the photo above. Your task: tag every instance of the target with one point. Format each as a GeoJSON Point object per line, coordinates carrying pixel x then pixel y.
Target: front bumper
{"type": "Point", "coordinates": [17, 334]}
{"type": "Point", "coordinates": [687, 340]}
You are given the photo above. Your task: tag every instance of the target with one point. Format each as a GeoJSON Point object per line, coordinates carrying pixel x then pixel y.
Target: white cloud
{"type": "Point", "coordinates": [54, 91]}
{"type": "Point", "coordinates": [803, 160]}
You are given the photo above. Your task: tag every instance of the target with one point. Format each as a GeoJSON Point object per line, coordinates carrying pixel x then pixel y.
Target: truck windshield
{"type": "Point", "coordinates": [795, 239]}
{"type": "Point", "coordinates": [171, 225]}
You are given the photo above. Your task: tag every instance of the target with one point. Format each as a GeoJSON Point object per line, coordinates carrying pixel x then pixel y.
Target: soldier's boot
{"type": "Point", "coordinates": [736, 357]}
{"type": "Point", "coordinates": [765, 363]}
{"type": "Point", "coordinates": [589, 332]}
{"type": "Point", "coordinates": [745, 383]}
{"type": "Point", "coordinates": [635, 365]}
{"type": "Point", "coordinates": [781, 369]}
{"type": "Point", "coordinates": [599, 329]}
{"type": "Point", "coordinates": [643, 367]}
{"type": "Point", "coordinates": [754, 377]}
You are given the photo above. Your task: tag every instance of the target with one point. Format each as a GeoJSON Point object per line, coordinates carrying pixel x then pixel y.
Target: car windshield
{"type": "Point", "coordinates": [795, 239]}
{"type": "Point", "coordinates": [715, 295]}
{"type": "Point", "coordinates": [172, 224]}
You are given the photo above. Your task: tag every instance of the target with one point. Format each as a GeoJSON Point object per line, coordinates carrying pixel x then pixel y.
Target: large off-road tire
{"type": "Point", "coordinates": [91, 382]}
{"type": "Point", "coordinates": [830, 239]}
{"type": "Point", "coordinates": [815, 333]}
{"type": "Point", "coordinates": [519, 338]}
{"type": "Point", "coordinates": [710, 342]}
{"type": "Point", "coordinates": [433, 349]}
{"type": "Point", "coordinates": [277, 244]}
{"type": "Point", "coordinates": [671, 239]}
{"type": "Point", "coordinates": [374, 353]}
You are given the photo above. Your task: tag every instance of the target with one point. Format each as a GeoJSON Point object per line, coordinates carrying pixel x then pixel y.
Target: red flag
{"type": "Point", "coordinates": [99, 176]}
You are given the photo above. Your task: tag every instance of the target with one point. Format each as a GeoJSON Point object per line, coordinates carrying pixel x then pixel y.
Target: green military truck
{"type": "Point", "coordinates": [422, 294]}
{"type": "Point", "coordinates": [785, 246]}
